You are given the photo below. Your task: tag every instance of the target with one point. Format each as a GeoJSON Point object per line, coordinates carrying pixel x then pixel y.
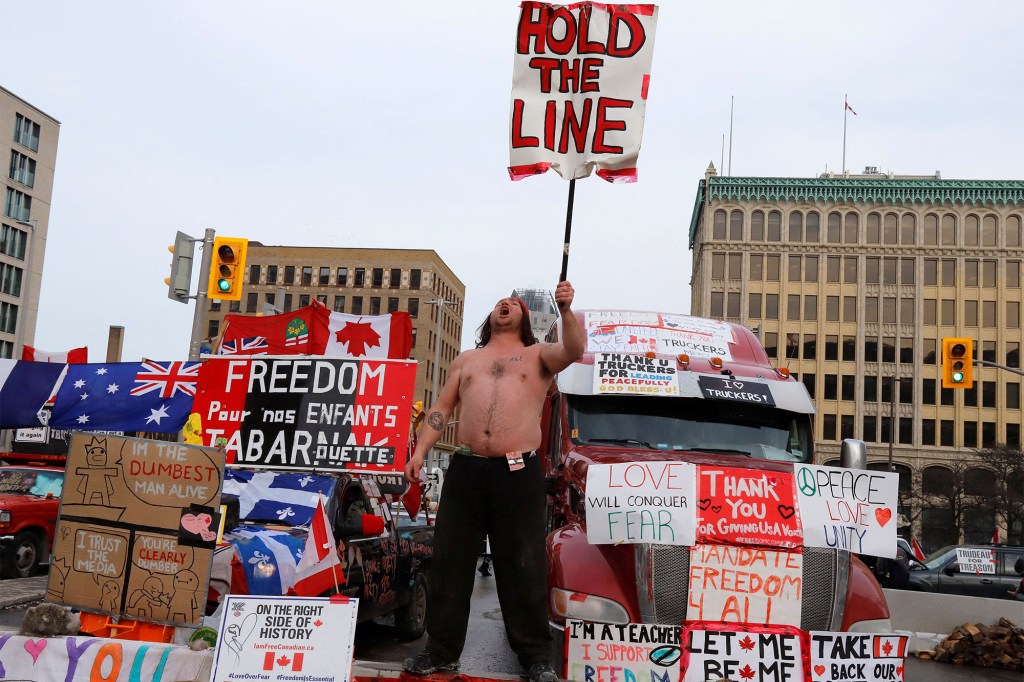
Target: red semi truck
{"type": "Point", "coordinates": [731, 408]}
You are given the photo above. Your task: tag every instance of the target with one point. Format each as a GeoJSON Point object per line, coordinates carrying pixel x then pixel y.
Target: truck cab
{"type": "Point", "coordinates": [662, 387]}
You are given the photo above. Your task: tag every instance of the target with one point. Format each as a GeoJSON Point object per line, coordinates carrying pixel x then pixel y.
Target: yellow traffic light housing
{"type": "Point", "coordinates": [227, 268]}
{"type": "Point", "coordinates": [957, 362]}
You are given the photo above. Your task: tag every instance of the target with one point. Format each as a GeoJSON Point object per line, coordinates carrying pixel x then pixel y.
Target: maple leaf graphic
{"type": "Point", "coordinates": [746, 643]}
{"type": "Point", "coordinates": [283, 661]}
{"type": "Point", "coordinates": [358, 335]}
{"type": "Point", "coordinates": [746, 672]}
{"type": "Point", "coordinates": [887, 648]}
{"type": "Point", "coordinates": [318, 622]}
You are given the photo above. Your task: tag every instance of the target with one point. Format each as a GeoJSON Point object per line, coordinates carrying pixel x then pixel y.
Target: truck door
{"type": "Point", "coordinates": [363, 554]}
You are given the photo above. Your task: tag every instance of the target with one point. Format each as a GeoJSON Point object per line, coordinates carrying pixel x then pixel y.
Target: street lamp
{"type": "Point", "coordinates": [440, 303]}
{"type": "Point", "coordinates": [26, 286]}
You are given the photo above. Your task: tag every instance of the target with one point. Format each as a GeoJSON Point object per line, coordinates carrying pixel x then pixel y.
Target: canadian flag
{"type": "Point", "coordinates": [75, 356]}
{"type": "Point", "coordinates": [371, 337]}
{"type": "Point", "coordinates": [316, 571]}
{"type": "Point", "coordinates": [916, 546]}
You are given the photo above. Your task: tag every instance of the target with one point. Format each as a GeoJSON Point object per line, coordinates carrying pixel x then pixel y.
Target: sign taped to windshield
{"type": "Point", "coordinates": [620, 374]}
{"type": "Point", "coordinates": [721, 388]}
{"type": "Point", "coordinates": [638, 332]}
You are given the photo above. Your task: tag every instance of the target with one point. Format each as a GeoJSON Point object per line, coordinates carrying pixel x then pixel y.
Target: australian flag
{"type": "Point", "coordinates": [126, 396]}
{"type": "Point", "coordinates": [250, 345]}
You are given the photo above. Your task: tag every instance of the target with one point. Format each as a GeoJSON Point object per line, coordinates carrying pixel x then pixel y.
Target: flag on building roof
{"type": "Point", "coordinates": [317, 570]}
{"type": "Point", "coordinates": [24, 389]}
{"type": "Point", "coordinates": [126, 396]}
{"type": "Point", "coordinates": [847, 105]}
{"type": "Point", "coordinates": [74, 356]}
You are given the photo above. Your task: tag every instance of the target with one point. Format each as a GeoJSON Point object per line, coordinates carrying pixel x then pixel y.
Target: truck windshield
{"type": "Point", "coordinates": [693, 425]}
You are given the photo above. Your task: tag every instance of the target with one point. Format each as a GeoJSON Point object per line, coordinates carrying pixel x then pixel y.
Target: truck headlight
{"type": "Point", "coordinates": [580, 606]}
{"type": "Point", "coordinates": [5, 518]}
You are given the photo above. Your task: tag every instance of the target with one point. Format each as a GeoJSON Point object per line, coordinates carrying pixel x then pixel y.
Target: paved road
{"type": "Point", "coordinates": [487, 651]}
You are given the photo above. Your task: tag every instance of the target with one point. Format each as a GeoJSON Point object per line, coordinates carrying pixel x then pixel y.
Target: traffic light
{"type": "Point", "coordinates": [957, 363]}
{"type": "Point", "coordinates": [180, 281]}
{"type": "Point", "coordinates": [227, 268]}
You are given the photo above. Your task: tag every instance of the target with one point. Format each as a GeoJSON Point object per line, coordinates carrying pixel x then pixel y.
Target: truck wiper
{"type": "Point", "coordinates": [720, 451]}
{"type": "Point", "coordinates": [623, 441]}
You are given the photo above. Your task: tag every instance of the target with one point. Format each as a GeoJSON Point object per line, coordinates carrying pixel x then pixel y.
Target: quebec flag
{"type": "Point", "coordinates": [126, 396]}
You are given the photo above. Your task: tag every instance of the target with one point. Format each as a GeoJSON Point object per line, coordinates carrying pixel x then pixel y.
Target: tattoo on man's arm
{"type": "Point", "coordinates": [436, 421]}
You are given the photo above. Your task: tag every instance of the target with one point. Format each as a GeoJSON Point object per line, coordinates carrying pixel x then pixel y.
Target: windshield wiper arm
{"type": "Point", "coordinates": [623, 441]}
{"type": "Point", "coordinates": [723, 451]}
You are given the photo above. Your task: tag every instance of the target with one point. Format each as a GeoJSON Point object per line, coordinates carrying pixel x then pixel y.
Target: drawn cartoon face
{"type": "Point", "coordinates": [96, 453]}
{"type": "Point", "coordinates": [186, 581]}
{"type": "Point", "coordinates": [152, 586]}
{"type": "Point", "coordinates": [110, 590]}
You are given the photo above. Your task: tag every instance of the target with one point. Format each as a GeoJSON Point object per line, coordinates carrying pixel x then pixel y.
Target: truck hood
{"type": "Point", "coordinates": [19, 501]}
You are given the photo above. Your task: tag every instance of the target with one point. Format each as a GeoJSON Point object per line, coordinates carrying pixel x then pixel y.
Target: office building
{"type": "Point", "coordinates": [29, 138]}
{"type": "Point", "coordinates": [852, 283]}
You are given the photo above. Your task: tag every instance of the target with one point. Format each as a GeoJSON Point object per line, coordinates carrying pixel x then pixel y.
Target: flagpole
{"type": "Point", "coordinates": [568, 230]}
{"type": "Point", "coordinates": [731, 101]}
{"type": "Point", "coordinates": [845, 107]}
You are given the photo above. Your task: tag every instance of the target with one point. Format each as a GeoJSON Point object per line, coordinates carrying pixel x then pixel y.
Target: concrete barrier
{"type": "Point", "coordinates": [929, 617]}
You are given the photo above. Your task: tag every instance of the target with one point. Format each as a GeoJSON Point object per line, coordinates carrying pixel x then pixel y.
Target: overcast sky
{"type": "Point", "coordinates": [385, 125]}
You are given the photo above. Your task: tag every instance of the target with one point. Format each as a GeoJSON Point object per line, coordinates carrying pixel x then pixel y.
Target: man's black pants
{"type": "Point", "coordinates": [482, 497]}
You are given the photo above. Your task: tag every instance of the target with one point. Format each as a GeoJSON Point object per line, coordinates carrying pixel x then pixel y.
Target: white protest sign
{"type": "Point", "coordinates": [745, 585]}
{"type": "Point", "coordinates": [855, 656]}
{"type": "Point", "coordinates": [976, 560]}
{"type": "Point", "coordinates": [579, 89]}
{"type": "Point", "coordinates": [639, 332]}
{"type": "Point", "coordinates": [849, 509]}
{"type": "Point", "coordinates": [283, 638]}
{"type": "Point", "coordinates": [750, 654]}
{"type": "Point", "coordinates": [632, 652]}
{"type": "Point", "coordinates": [641, 502]}
{"type": "Point", "coordinates": [619, 374]}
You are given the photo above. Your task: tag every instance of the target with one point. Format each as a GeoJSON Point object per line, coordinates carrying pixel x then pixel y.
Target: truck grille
{"type": "Point", "coordinates": [662, 573]}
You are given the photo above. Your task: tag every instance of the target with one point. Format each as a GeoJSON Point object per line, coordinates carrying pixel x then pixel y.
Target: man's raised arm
{"type": "Point", "coordinates": [558, 356]}
{"type": "Point", "coordinates": [437, 418]}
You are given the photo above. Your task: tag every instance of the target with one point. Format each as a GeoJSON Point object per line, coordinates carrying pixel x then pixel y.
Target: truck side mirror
{"type": "Point", "coordinates": [372, 525]}
{"type": "Point", "coordinates": [853, 454]}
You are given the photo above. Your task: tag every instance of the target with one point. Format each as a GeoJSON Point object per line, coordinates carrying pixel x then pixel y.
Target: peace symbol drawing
{"type": "Point", "coordinates": [805, 481]}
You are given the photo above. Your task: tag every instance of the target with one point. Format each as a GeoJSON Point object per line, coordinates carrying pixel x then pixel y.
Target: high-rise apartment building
{"type": "Point", "coordinates": [359, 282]}
{"type": "Point", "coordinates": [852, 283]}
{"type": "Point", "coordinates": [29, 138]}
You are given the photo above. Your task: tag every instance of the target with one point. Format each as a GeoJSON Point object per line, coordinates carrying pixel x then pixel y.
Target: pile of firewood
{"type": "Point", "coordinates": [986, 646]}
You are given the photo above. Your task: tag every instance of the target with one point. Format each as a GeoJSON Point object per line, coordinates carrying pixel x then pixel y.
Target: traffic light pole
{"type": "Point", "coordinates": [204, 276]}
{"type": "Point", "coordinates": [988, 363]}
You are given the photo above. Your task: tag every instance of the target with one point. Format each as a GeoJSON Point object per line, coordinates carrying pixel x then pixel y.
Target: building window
{"type": "Point", "coordinates": [322, 298]}
{"type": "Point", "coordinates": [832, 269]}
{"type": "Point", "coordinates": [906, 271]}
{"type": "Point", "coordinates": [833, 231]}
{"type": "Point", "coordinates": [234, 306]}
{"type": "Point", "coordinates": [771, 344]}
{"type": "Point", "coordinates": [848, 387]}
{"type": "Point", "coordinates": [793, 307]}
{"type": "Point", "coordinates": [1013, 274]}
{"type": "Point", "coordinates": [831, 308]}
{"type": "Point", "coordinates": [812, 232]}
{"type": "Point", "coordinates": [871, 270]}
{"type": "Point", "coordinates": [846, 426]}
{"type": "Point", "coordinates": [870, 349]}
{"type": "Point", "coordinates": [718, 266]}
{"type": "Point", "coordinates": [1013, 395]}
{"type": "Point", "coordinates": [906, 311]}
{"type": "Point", "coordinates": [342, 277]}
{"type": "Point", "coordinates": [13, 241]}
{"type": "Point", "coordinates": [736, 266]}
{"type": "Point", "coordinates": [831, 347]}
{"type": "Point", "coordinates": [928, 350]}
{"type": "Point", "coordinates": [357, 303]}
{"type": "Point", "coordinates": [849, 349]}
{"type": "Point", "coordinates": [717, 304]}
{"type": "Point", "coordinates": [889, 310]}
{"type": "Point", "coordinates": [811, 269]}
{"type": "Point", "coordinates": [808, 380]}
{"type": "Point", "coordinates": [771, 306]}
{"type": "Point", "coordinates": [796, 227]}
{"type": "Point", "coordinates": [1013, 231]}
{"type": "Point", "coordinates": [888, 271]}
{"type": "Point", "coordinates": [949, 313]}
{"type": "Point", "coordinates": [810, 346]}
{"type": "Point", "coordinates": [792, 346]}
{"type": "Point", "coordinates": [906, 431]}
{"type": "Point", "coordinates": [890, 228]}
{"type": "Point", "coordinates": [414, 308]}
{"type": "Point", "coordinates": [378, 278]}
{"type": "Point", "coordinates": [872, 229]}
{"type": "Point", "coordinates": [10, 279]}
{"type": "Point", "coordinates": [907, 350]}
{"type": "Point", "coordinates": [927, 432]}
{"type": "Point", "coordinates": [718, 226]}
{"type": "Point", "coordinates": [396, 278]}
{"type": "Point", "coordinates": [303, 300]}
{"type": "Point", "coordinates": [906, 390]}
{"type": "Point", "coordinates": [375, 305]}
{"type": "Point", "coordinates": [850, 228]}
{"type": "Point", "coordinates": [931, 271]}
{"type": "Point", "coordinates": [971, 230]}
{"type": "Point", "coordinates": [23, 169]}
{"type": "Point", "coordinates": [1013, 354]}
{"type": "Point", "coordinates": [988, 313]}
{"type": "Point", "coordinates": [26, 132]}
{"type": "Point", "coordinates": [970, 434]}
{"type": "Point", "coordinates": [754, 306]}
{"type": "Point", "coordinates": [413, 337]}
{"type": "Point", "coordinates": [254, 274]}
{"type": "Point", "coordinates": [392, 304]}
{"type": "Point", "coordinates": [287, 303]}
{"type": "Point", "coordinates": [8, 317]}
{"type": "Point", "coordinates": [18, 205]}
{"type": "Point", "coordinates": [871, 309]}
{"type": "Point", "coordinates": [1012, 314]}
{"type": "Point", "coordinates": [971, 313]}
{"type": "Point", "coordinates": [810, 307]}
{"type": "Point", "coordinates": [339, 304]}
{"type": "Point", "coordinates": [360, 277]}
{"type": "Point", "coordinates": [270, 304]}
{"type": "Point", "coordinates": [325, 277]}
{"type": "Point", "coordinates": [213, 329]}
{"type": "Point", "coordinates": [948, 230]}
{"type": "Point", "coordinates": [214, 305]}
{"type": "Point", "coordinates": [271, 274]}
{"type": "Point", "coordinates": [870, 388]}
{"type": "Point", "coordinates": [732, 303]}
{"type": "Point", "coordinates": [946, 397]}
{"type": "Point", "coordinates": [251, 301]}
{"type": "Point", "coordinates": [774, 226]}
{"type": "Point", "coordinates": [888, 349]}
{"type": "Point", "coordinates": [736, 225]}
{"type": "Point", "coordinates": [307, 276]}
{"type": "Point", "coordinates": [870, 429]}
{"type": "Point", "coordinates": [756, 267]}
{"type": "Point", "coordinates": [828, 431]}
{"type": "Point", "coordinates": [931, 230]}
{"type": "Point", "coordinates": [850, 269]}
{"type": "Point", "coordinates": [414, 279]}
{"type": "Point", "coordinates": [831, 386]}
{"type": "Point", "coordinates": [289, 274]}
{"type": "Point", "coordinates": [773, 265]}
{"type": "Point", "coordinates": [795, 265]}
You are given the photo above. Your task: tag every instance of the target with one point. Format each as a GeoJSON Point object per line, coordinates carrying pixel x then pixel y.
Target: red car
{"type": "Point", "coordinates": [29, 504]}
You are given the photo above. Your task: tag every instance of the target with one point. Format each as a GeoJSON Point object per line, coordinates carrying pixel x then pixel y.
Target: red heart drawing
{"type": "Point", "coordinates": [883, 515]}
{"type": "Point", "coordinates": [899, 672]}
{"type": "Point", "coordinates": [198, 525]}
{"type": "Point", "coordinates": [819, 670]}
{"type": "Point", "coordinates": [35, 647]}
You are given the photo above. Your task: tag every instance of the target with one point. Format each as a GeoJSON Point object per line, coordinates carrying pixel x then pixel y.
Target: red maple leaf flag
{"type": "Point", "coordinates": [746, 672]}
{"type": "Point", "coordinates": [357, 336]}
{"type": "Point", "coordinates": [887, 648]}
{"type": "Point", "coordinates": [317, 571]}
{"type": "Point", "coordinates": [373, 337]}
{"type": "Point", "coordinates": [746, 643]}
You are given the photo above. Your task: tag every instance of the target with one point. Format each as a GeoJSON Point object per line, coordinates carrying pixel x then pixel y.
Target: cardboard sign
{"type": "Point", "coordinates": [749, 654]}
{"type": "Point", "coordinates": [636, 332]}
{"type": "Point", "coordinates": [641, 502]}
{"type": "Point", "coordinates": [849, 509]}
{"type": "Point", "coordinates": [286, 638]}
{"type": "Point", "coordinates": [737, 390]}
{"type": "Point", "coordinates": [137, 528]}
{"type": "Point", "coordinates": [745, 585]}
{"type": "Point", "coordinates": [579, 89]}
{"type": "Point", "coordinates": [634, 652]}
{"type": "Point", "coordinates": [618, 374]}
{"type": "Point", "coordinates": [747, 507]}
{"type": "Point", "coordinates": [839, 656]}
{"type": "Point", "coordinates": [976, 560]}
{"type": "Point", "coordinates": [324, 413]}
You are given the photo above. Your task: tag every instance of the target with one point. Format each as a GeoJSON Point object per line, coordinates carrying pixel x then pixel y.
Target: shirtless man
{"type": "Point", "coordinates": [497, 488]}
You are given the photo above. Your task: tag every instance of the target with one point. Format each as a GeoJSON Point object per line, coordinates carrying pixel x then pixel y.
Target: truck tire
{"type": "Point", "coordinates": [411, 619]}
{"type": "Point", "coordinates": [23, 560]}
